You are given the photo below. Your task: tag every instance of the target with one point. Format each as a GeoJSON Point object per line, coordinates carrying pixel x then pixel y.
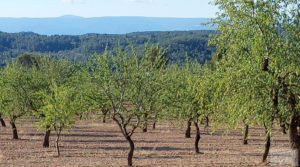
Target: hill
{"type": "Point", "coordinates": [178, 44]}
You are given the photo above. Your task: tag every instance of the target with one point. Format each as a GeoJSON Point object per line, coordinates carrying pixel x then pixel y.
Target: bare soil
{"type": "Point", "coordinates": [98, 144]}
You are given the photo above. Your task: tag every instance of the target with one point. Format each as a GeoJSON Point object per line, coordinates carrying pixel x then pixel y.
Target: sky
{"type": "Point", "coordinates": [100, 8]}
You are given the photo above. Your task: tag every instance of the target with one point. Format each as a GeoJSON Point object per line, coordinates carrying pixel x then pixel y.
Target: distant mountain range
{"type": "Point", "coordinates": [75, 25]}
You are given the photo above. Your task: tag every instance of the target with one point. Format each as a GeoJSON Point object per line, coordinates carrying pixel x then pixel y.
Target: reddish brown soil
{"type": "Point", "coordinates": [98, 144]}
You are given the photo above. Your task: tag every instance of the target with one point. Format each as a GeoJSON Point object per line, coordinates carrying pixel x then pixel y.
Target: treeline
{"type": "Point", "coordinates": [178, 44]}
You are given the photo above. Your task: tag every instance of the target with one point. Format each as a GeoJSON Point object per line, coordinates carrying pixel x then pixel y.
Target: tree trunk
{"type": "Point", "coordinates": [154, 125]}
{"type": "Point", "coordinates": [14, 129]}
{"type": "Point", "coordinates": [294, 141]}
{"type": "Point", "coordinates": [293, 131]}
{"type": "Point", "coordinates": [130, 154]}
{"type": "Point", "coordinates": [188, 129]}
{"type": "Point", "coordinates": [145, 129]}
{"type": "Point", "coordinates": [283, 129]}
{"type": "Point", "coordinates": [127, 135]}
{"type": "Point", "coordinates": [197, 138]}
{"type": "Point", "coordinates": [267, 147]}
{"type": "Point", "coordinates": [145, 123]}
{"type": "Point", "coordinates": [206, 121]}
{"type": "Point", "coordinates": [46, 138]}
{"type": "Point", "coordinates": [282, 126]}
{"type": "Point", "coordinates": [104, 119]}
{"type": "Point", "coordinates": [57, 143]}
{"type": "Point", "coordinates": [275, 98]}
{"type": "Point", "coordinates": [154, 122]}
{"type": "Point", "coordinates": [104, 112]}
{"type": "Point", "coordinates": [2, 122]}
{"type": "Point", "coordinates": [206, 124]}
{"type": "Point", "coordinates": [245, 140]}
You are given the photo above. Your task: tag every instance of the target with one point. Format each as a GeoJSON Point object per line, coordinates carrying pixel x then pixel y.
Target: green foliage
{"type": "Point", "coordinates": [79, 48]}
{"type": "Point", "coordinates": [126, 82]}
{"type": "Point", "coordinates": [17, 88]}
{"type": "Point", "coordinates": [130, 85]}
{"type": "Point", "coordinates": [250, 33]}
{"type": "Point", "coordinates": [59, 107]}
{"type": "Point", "coordinates": [188, 92]}
{"type": "Point", "coordinates": [59, 84]}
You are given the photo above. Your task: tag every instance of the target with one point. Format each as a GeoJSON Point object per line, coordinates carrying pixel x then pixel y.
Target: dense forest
{"type": "Point", "coordinates": [178, 44]}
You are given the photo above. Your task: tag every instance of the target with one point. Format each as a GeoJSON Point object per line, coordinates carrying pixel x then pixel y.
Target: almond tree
{"type": "Point", "coordinates": [258, 43]}
{"type": "Point", "coordinates": [16, 91]}
{"type": "Point", "coordinates": [155, 65]}
{"type": "Point", "coordinates": [188, 95]}
{"type": "Point", "coordinates": [96, 92]}
{"type": "Point", "coordinates": [126, 84]}
{"type": "Point", "coordinates": [52, 76]}
{"type": "Point", "coordinates": [58, 109]}
{"type": "Point", "coordinates": [49, 71]}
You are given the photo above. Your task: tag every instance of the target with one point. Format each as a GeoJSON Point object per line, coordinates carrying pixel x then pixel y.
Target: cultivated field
{"type": "Point", "coordinates": [98, 144]}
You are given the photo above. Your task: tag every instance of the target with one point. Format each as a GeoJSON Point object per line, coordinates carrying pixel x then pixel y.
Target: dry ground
{"type": "Point", "coordinates": [98, 144]}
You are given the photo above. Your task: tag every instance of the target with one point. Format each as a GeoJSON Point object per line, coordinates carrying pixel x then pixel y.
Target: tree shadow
{"type": "Point", "coordinates": [89, 135]}
{"type": "Point", "coordinates": [164, 148]}
{"type": "Point", "coordinates": [95, 141]}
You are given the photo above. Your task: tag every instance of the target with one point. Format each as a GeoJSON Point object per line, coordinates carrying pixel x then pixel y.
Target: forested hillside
{"type": "Point", "coordinates": [178, 44]}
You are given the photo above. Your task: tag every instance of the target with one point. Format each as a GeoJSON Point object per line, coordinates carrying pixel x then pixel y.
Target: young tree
{"type": "Point", "coordinates": [62, 73]}
{"type": "Point", "coordinates": [16, 91]}
{"type": "Point", "coordinates": [188, 95]}
{"type": "Point", "coordinates": [126, 84]}
{"type": "Point", "coordinates": [58, 109]}
{"type": "Point", "coordinates": [96, 93]}
{"type": "Point", "coordinates": [155, 64]}
{"type": "Point", "coordinates": [62, 100]}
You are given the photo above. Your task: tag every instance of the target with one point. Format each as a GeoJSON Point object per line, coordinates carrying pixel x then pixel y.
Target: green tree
{"type": "Point", "coordinates": [257, 45]}
{"type": "Point", "coordinates": [154, 65]}
{"type": "Point", "coordinates": [58, 109]}
{"type": "Point", "coordinates": [188, 97]}
{"type": "Point", "coordinates": [62, 73]}
{"type": "Point", "coordinates": [126, 84]}
{"type": "Point", "coordinates": [16, 91]}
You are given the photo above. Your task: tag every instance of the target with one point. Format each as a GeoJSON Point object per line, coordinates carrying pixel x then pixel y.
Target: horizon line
{"type": "Point", "coordinates": [76, 16]}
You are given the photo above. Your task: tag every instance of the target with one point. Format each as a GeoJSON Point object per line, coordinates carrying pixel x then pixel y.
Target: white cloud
{"type": "Point", "coordinates": [72, 1]}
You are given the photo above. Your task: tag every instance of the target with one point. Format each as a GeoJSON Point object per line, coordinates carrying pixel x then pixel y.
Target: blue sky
{"type": "Point", "coordinates": [98, 8]}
